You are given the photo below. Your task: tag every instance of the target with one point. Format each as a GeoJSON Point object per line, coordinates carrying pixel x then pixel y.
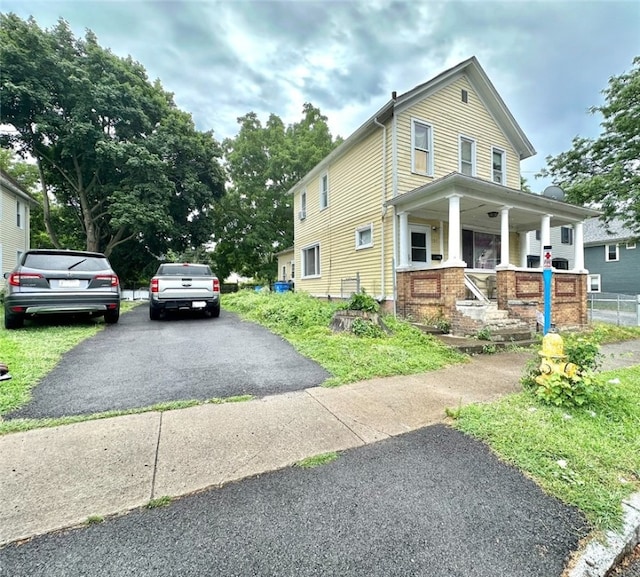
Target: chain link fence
{"type": "Point", "coordinates": [618, 309]}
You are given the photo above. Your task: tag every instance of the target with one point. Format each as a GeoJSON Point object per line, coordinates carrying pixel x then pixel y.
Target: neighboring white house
{"type": "Point", "coordinates": [15, 205]}
{"type": "Point", "coordinates": [562, 242]}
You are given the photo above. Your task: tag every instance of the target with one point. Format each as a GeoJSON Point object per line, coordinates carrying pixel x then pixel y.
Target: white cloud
{"type": "Point", "coordinates": [222, 59]}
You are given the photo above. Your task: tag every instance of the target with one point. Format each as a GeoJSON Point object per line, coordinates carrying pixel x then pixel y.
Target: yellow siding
{"type": "Point", "coordinates": [12, 238]}
{"type": "Point", "coordinates": [355, 200]}
{"type": "Point", "coordinates": [450, 118]}
{"type": "Point", "coordinates": [356, 191]}
{"type": "Point", "coordinates": [284, 264]}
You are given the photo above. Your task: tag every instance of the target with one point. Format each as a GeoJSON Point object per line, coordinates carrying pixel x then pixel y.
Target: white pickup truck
{"type": "Point", "coordinates": [184, 286]}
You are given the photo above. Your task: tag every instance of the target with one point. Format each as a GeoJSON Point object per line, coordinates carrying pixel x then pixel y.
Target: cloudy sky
{"type": "Point", "coordinates": [549, 60]}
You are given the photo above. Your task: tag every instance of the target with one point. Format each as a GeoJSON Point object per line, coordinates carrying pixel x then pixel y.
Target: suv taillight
{"type": "Point", "coordinates": [15, 278]}
{"type": "Point", "coordinates": [154, 285]}
{"type": "Point", "coordinates": [111, 277]}
{"type": "Point", "coordinates": [216, 285]}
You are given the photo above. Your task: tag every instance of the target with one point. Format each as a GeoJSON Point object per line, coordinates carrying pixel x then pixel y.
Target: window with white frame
{"type": "Point", "coordinates": [324, 191]}
{"type": "Point", "coordinates": [364, 236]}
{"type": "Point", "coordinates": [467, 156]}
{"type": "Point", "coordinates": [19, 216]}
{"type": "Point", "coordinates": [303, 205]}
{"type": "Point", "coordinates": [631, 245]}
{"type": "Point", "coordinates": [594, 283]}
{"type": "Point", "coordinates": [566, 235]}
{"type": "Point", "coordinates": [421, 148]}
{"type": "Point", "coordinates": [611, 253]}
{"type": "Point", "coordinates": [311, 261]}
{"type": "Point", "coordinates": [419, 239]}
{"type": "Point", "coordinates": [498, 167]}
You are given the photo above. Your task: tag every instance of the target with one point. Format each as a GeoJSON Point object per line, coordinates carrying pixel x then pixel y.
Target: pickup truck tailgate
{"type": "Point", "coordinates": [181, 288]}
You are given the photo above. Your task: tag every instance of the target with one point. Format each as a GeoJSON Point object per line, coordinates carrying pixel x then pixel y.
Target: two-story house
{"type": "Point", "coordinates": [612, 256]}
{"type": "Point", "coordinates": [15, 204]}
{"type": "Point", "coordinates": [422, 204]}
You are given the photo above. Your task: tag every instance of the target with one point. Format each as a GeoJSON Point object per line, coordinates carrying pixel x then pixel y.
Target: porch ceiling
{"type": "Point", "coordinates": [479, 197]}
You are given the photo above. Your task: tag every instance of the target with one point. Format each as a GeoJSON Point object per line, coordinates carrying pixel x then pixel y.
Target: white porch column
{"type": "Point", "coordinates": [504, 237]}
{"type": "Point", "coordinates": [403, 257]}
{"type": "Point", "coordinates": [455, 233]}
{"type": "Point", "coordinates": [524, 248]}
{"type": "Point", "coordinates": [578, 247]}
{"type": "Point", "coordinates": [545, 235]}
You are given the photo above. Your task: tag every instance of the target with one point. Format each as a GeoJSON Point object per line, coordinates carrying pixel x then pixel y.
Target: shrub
{"type": "Point", "coordinates": [366, 328]}
{"type": "Point", "coordinates": [361, 302]}
{"type": "Point", "coordinates": [568, 390]}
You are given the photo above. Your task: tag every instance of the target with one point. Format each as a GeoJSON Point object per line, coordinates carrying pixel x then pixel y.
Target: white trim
{"type": "Point", "coordinates": [317, 263]}
{"type": "Point", "coordinates": [462, 137]}
{"type": "Point", "coordinates": [303, 201]}
{"type": "Point", "coordinates": [606, 252]}
{"type": "Point", "coordinates": [361, 229]}
{"type": "Point", "coordinates": [429, 148]}
{"type": "Point", "coordinates": [503, 154]}
{"type": "Point", "coordinates": [631, 246]}
{"type": "Point", "coordinates": [420, 229]}
{"type": "Point", "coordinates": [590, 279]}
{"type": "Point", "coordinates": [324, 194]}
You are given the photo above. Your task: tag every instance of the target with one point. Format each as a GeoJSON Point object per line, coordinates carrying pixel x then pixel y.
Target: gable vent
{"type": "Point", "coordinates": [465, 96]}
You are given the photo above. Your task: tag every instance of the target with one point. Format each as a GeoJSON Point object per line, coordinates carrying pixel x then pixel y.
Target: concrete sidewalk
{"type": "Point", "coordinates": [59, 477]}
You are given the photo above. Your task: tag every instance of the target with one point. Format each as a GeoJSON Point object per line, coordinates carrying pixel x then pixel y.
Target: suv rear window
{"type": "Point", "coordinates": [66, 262]}
{"type": "Point", "coordinates": [184, 270]}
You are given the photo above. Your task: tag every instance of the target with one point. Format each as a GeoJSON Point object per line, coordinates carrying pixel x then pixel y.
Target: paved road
{"type": "Point", "coordinates": [138, 363]}
{"type": "Point", "coordinates": [432, 502]}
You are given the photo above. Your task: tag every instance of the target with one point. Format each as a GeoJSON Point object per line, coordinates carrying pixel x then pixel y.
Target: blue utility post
{"type": "Point", "coordinates": [547, 272]}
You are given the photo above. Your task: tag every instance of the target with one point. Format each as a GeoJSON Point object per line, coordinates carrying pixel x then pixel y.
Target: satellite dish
{"type": "Point", "coordinates": [553, 192]}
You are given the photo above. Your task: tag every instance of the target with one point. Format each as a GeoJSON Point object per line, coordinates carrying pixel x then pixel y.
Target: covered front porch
{"type": "Point", "coordinates": [461, 243]}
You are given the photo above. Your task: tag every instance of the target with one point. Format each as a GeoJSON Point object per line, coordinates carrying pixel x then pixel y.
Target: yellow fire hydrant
{"type": "Point", "coordinates": [553, 358]}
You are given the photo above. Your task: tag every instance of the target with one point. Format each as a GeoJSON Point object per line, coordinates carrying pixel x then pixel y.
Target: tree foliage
{"type": "Point", "coordinates": [605, 172]}
{"type": "Point", "coordinates": [256, 216]}
{"type": "Point", "coordinates": [112, 149]}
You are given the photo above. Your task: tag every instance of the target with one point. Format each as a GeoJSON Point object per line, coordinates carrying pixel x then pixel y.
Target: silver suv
{"type": "Point", "coordinates": [61, 282]}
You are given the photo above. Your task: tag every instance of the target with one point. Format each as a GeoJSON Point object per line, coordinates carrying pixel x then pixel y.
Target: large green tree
{"type": "Point", "coordinates": [264, 162]}
{"type": "Point", "coordinates": [605, 172]}
{"type": "Point", "coordinates": [110, 146]}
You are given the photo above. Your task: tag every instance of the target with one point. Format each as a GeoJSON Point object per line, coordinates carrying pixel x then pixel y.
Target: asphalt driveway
{"type": "Point", "coordinates": [433, 502]}
{"type": "Point", "coordinates": [139, 363]}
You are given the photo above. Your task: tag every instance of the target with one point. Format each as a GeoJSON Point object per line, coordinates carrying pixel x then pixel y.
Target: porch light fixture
{"type": "Point", "coordinates": [493, 214]}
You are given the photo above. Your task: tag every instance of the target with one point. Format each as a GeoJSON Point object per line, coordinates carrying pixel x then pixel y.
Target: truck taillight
{"type": "Point", "coordinates": [216, 285]}
{"type": "Point", "coordinates": [154, 285]}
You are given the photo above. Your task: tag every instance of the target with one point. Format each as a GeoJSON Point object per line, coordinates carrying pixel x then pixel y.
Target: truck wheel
{"type": "Point", "coordinates": [154, 314]}
{"type": "Point", "coordinates": [215, 311]}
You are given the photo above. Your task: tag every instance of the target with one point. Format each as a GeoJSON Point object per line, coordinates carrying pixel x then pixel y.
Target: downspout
{"type": "Point", "coordinates": [394, 192]}
{"type": "Point", "coordinates": [384, 208]}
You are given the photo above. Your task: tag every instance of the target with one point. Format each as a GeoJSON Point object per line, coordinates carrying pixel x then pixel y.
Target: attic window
{"type": "Point", "coordinates": [465, 96]}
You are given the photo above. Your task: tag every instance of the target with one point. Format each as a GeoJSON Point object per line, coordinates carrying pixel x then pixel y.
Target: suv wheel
{"type": "Point", "coordinates": [13, 321]}
{"type": "Point", "coordinates": [111, 316]}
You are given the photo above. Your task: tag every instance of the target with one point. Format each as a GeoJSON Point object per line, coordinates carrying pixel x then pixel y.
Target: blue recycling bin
{"type": "Point", "coordinates": [281, 286]}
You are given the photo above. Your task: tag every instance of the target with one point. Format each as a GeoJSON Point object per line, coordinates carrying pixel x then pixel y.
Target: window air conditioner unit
{"type": "Point", "coordinates": [302, 214]}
